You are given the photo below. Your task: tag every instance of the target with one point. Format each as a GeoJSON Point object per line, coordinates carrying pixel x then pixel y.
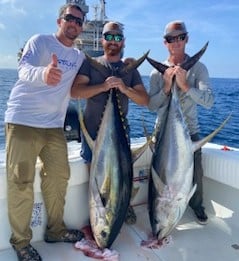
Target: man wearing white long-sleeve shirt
{"type": "Point", "coordinates": [34, 119]}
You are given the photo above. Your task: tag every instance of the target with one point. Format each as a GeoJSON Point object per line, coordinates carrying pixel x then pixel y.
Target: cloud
{"type": "Point", "coordinates": [6, 1]}
{"type": "Point", "coordinates": [225, 7]}
{"type": "Point", "coordinates": [12, 7]}
{"type": "Point", "coordinates": [8, 61]}
{"type": "Point", "coordinates": [2, 26]}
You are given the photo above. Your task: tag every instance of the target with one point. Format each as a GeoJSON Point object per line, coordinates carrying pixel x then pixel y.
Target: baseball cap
{"type": "Point", "coordinates": [174, 28]}
{"type": "Point", "coordinates": [113, 27]}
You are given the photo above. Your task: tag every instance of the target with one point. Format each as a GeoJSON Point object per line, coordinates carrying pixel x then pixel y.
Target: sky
{"type": "Point", "coordinates": [144, 21]}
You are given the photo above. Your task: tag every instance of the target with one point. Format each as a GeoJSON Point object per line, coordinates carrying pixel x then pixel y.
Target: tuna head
{"type": "Point", "coordinates": [167, 205]}
{"type": "Point", "coordinates": [101, 226]}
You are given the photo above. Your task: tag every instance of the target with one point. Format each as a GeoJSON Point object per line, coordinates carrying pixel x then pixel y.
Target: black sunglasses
{"type": "Point", "coordinates": [173, 39]}
{"type": "Point", "coordinates": [115, 37]}
{"type": "Point", "coordinates": [70, 18]}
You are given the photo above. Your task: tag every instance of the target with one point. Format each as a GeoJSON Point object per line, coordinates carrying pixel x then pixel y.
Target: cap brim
{"type": "Point", "coordinates": [175, 32]}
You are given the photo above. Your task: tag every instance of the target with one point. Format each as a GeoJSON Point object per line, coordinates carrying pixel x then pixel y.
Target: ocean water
{"type": "Point", "coordinates": [226, 93]}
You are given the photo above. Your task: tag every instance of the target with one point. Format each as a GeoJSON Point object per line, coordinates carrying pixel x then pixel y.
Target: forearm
{"type": "Point", "coordinates": [32, 74]}
{"type": "Point", "coordinates": [137, 95]}
{"type": "Point", "coordinates": [85, 91]}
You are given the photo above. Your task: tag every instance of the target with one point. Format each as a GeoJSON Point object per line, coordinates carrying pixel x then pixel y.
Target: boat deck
{"type": "Point", "coordinates": [218, 240]}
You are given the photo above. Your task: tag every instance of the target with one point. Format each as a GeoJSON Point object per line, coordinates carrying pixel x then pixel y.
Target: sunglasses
{"type": "Point", "coordinates": [173, 39]}
{"type": "Point", "coordinates": [71, 18]}
{"type": "Point", "coordinates": [116, 37]}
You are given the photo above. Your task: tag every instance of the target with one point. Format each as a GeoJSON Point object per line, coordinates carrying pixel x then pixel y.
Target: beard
{"type": "Point", "coordinates": [112, 51]}
{"type": "Point", "coordinates": [71, 33]}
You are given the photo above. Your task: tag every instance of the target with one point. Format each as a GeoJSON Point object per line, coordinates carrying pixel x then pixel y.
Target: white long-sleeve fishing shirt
{"type": "Point", "coordinates": [32, 102]}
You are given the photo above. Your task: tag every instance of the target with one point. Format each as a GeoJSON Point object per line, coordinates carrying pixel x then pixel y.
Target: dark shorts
{"type": "Point", "coordinates": [86, 152]}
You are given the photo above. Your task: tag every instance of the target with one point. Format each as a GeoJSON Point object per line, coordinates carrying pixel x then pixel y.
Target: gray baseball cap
{"type": "Point", "coordinates": [113, 27]}
{"type": "Point", "coordinates": [175, 28]}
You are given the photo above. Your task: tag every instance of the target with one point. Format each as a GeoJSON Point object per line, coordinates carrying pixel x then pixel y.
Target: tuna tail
{"type": "Point", "coordinates": [134, 65]}
{"type": "Point", "coordinates": [157, 65]}
{"type": "Point", "coordinates": [98, 66]}
{"type": "Point", "coordinates": [186, 65]}
{"type": "Point", "coordinates": [107, 71]}
{"type": "Point", "coordinates": [197, 145]}
{"type": "Point", "coordinates": [190, 62]}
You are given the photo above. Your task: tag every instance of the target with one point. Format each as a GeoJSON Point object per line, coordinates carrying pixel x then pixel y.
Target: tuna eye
{"type": "Point", "coordinates": [103, 234]}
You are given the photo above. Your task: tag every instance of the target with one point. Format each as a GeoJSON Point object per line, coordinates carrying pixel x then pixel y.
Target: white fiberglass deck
{"type": "Point", "coordinates": [190, 241]}
{"type": "Point", "coordinates": [217, 241]}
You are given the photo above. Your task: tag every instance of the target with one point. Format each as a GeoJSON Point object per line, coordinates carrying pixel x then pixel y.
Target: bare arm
{"type": "Point", "coordinates": [137, 94]}
{"type": "Point", "coordinates": [81, 89]}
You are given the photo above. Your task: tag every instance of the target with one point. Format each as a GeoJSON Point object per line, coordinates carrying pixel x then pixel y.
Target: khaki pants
{"type": "Point", "coordinates": [23, 146]}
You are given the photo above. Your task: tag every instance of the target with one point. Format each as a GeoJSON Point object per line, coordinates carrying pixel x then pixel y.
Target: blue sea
{"type": "Point", "coordinates": [226, 93]}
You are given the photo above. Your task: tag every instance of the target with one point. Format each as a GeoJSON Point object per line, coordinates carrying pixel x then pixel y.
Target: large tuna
{"type": "Point", "coordinates": [111, 176]}
{"type": "Point", "coordinates": [171, 175]}
{"type": "Point", "coordinates": [111, 172]}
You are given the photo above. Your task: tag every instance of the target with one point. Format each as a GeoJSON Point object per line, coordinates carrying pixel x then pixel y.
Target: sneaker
{"type": "Point", "coordinates": [130, 218]}
{"type": "Point", "coordinates": [27, 253]}
{"type": "Point", "coordinates": [71, 236]}
{"type": "Point", "coordinates": [201, 216]}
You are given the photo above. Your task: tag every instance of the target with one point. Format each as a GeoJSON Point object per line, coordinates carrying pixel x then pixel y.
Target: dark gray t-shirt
{"type": "Point", "coordinates": [96, 104]}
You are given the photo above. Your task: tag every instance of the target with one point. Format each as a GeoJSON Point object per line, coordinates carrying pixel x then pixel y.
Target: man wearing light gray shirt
{"type": "Point", "coordinates": [193, 89]}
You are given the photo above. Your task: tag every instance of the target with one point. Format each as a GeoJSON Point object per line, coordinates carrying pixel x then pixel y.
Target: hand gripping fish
{"type": "Point", "coordinates": [171, 173]}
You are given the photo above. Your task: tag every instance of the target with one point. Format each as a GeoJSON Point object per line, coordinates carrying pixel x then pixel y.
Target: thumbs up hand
{"type": "Point", "coordinates": [54, 60]}
{"type": "Point", "coordinates": [52, 74]}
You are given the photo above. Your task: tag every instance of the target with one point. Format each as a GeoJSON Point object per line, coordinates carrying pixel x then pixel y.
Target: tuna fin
{"type": "Point", "coordinates": [98, 66]}
{"type": "Point", "coordinates": [149, 143]}
{"type": "Point", "coordinates": [191, 192]}
{"type": "Point", "coordinates": [192, 60]}
{"type": "Point", "coordinates": [105, 190]}
{"type": "Point", "coordinates": [157, 65]}
{"type": "Point", "coordinates": [88, 138]}
{"type": "Point", "coordinates": [159, 185]}
{"type": "Point", "coordinates": [150, 138]}
{"type": "Point", "coordinates": [154, 137]}
{"type": "Point", "coordinates": [198, 144]}
{"type": "Point", "coordinates": [136, 153]}
{"type": "Point", "coordinates": [134, 65]}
